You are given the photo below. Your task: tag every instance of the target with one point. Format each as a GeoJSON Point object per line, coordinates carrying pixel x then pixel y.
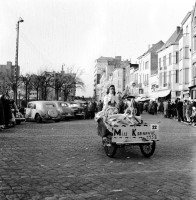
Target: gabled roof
{"type": "Point", "coordinates": [174, 39]}
{"type": "Point", "coordinates": [154, 48]}
{"type": "Point", "coordinates": [105, 58]}
{"type": "Point", "coordinates": [186, 17]}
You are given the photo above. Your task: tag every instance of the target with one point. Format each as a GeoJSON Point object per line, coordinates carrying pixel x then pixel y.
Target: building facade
{"type": "Point", "coordinates": [7, 77]}
{"type": "Point", "coordinates": [148, 66]}
{"type": "Point", "coordinates": [192, 86]}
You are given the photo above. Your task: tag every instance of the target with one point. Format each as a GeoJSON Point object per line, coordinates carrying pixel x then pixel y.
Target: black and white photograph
{"type": "Point", "coordinates": [97, 100]}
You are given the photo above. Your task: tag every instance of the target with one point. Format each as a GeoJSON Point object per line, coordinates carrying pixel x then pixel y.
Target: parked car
{"type": "Point", "coordinates": [78, 109]}
{"type": "Point", "coordinates": [42, 111]}
{"type": "Point", "coordinates": [64, 109]}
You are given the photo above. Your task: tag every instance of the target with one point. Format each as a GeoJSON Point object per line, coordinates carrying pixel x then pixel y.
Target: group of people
{"type": "Point", "coordinates": [180, 109]}
{"type": "Point", "coordinates": [8, 111]}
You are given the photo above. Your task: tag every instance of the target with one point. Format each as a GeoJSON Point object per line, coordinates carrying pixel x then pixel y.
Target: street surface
{"type": "Point", "coordinates": [66, 160]}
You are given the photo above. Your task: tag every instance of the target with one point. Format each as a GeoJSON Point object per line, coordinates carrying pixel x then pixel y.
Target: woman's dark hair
{"type": "Point", "coordinates": [109, 89]}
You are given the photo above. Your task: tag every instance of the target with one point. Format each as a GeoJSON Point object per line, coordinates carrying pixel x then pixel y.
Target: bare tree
{"type": "Point", "coordinates": [26, 81]}
{"type": "Point", "coordinates": [46, 83]}
{"type": "Point", "coordinates": [71, 82]}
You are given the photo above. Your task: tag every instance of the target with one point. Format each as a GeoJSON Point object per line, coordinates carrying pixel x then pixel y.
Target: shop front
{"type": "Point", "coordinates": [192, 91]}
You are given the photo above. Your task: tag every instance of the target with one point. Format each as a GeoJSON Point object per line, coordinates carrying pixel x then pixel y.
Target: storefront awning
{"type": "Point", "coordinates": [161, 93]}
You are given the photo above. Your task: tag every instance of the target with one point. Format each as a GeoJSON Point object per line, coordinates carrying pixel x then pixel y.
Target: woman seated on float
{"type": "Point", "coordinates": [110, 99]}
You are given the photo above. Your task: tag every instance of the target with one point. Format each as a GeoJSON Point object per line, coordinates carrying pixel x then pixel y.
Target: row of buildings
{"type": "Point", "coordinates": [165, 69]}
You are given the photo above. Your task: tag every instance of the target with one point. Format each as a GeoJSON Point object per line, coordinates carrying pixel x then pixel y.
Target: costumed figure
{"type": "Point", "coordinates": [109, 118]}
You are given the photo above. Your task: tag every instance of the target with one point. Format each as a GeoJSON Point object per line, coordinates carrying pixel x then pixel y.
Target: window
{"type": "Point", "coordinates": [160, 78]}
{"type": "Point", "coordinates": [169, 81]}
{"type": "Point", "coordinates": [187, 29]}
{"type": "Point", "coordinates": [186, 75]}
{"type": "Point", "coordinates": [170, 55]}
{"type": "Point", "coordinates": [164, 61]}
{"type": "Point", "coordinates": [147, 65]}
{"type": "Point", "coordinates": [194, 43]}
{"type": "Point", "coordinates": [186, 52]}
{"type": "Point", "coordinates": [177, 57]}
{"type": "Point", "coordinates": [160, 63]}
{"type": "Point", "coordinates": [180, 77]}
{"type": "Point", "coordinates": [165, 79]}
{"type": "Point", "coordinates": [177, 76]}
{"type": "Point", "coordinates": [178, 93]}
{"type": "Point", "coordinates": [180, 54]}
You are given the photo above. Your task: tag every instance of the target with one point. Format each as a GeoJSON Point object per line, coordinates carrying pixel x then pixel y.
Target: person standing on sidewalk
{"type": "Point", "coordinates": [179, 108]}
{"type": "Point", "coordinates": [7, 110]}
{"type": "Point", "coordinates": [2, 117]}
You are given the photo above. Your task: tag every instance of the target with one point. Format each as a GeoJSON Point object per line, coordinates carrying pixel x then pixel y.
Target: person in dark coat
{"type": "Point", "coordinates": [7, 110]}
{"type": "Point", "coordinates": [179, 108]}
{"type": "Point", "coordinates": [2, 117]}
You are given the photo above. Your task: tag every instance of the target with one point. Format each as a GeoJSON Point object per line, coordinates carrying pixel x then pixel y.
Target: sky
{"type": "Point", "coordinates": [74, 33]}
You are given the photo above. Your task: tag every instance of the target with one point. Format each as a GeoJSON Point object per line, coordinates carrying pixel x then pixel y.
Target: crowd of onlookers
{"type": "Point", "coordinates": [180, 109]}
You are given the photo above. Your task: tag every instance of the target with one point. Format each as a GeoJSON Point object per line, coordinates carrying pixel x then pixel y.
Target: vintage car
{"type": "Point", "coordinates": [42, 111]}
{"type": "Point", "coordinates": [64, 109]}
{"type": "Point", "coordinates": [78, 108]}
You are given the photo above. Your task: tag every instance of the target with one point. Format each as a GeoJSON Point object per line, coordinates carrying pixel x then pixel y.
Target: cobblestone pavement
{"type": "Point", "coordinates": [58, 161]}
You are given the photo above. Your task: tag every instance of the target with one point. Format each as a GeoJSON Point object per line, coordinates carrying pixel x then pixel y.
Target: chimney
{"type": "Point", "coordinates": [118, 58]}
{"type": "Point", "coordinates": [178, 29]}
{"type": "Point", "coordinates": [148, 46]}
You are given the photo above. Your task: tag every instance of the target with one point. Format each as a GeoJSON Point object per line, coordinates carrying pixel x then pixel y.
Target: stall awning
{"type": "Point", "coordinates": [161, 93]}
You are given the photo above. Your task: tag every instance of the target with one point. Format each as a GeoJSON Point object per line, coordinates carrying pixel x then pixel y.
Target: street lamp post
{"type": "Point", "coordinates": [16, 59]}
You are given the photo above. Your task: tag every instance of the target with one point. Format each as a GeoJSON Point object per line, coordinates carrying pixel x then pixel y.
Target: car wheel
{"type": "Point", "coordinates": [38, 118]}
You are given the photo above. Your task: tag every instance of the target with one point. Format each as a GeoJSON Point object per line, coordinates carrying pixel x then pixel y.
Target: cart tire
{"type": "Point", "coordinates": [110, 148]}
{"type": "Point", "coordinates": [18, 122]}
{"type": "Point", "coordinates": [38, 118]}
{"type": "Point", "coordinates": [148, 149]}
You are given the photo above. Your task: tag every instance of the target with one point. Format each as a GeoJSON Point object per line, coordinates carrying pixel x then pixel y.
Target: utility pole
{"type": "Point", "coordinates": [16, 71]}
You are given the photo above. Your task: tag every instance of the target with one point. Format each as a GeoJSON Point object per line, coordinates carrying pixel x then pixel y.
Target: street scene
{"type": "Point", "coordinates": [97, 100]}
{"type": "Point", "coordinates": [66, 160]}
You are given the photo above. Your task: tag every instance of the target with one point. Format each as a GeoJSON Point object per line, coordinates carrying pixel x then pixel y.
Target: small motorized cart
{"type": "Point", "coordinates": [118, 130]}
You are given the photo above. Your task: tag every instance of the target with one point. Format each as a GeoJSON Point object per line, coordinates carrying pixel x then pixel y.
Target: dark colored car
{"type": "Point", "coordinates": [64, 109]}
{"type": "Point", "coordinates": [78, 109]}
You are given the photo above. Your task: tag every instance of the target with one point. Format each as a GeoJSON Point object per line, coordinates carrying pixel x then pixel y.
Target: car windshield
{"type": "Point", "coordinates": [74, 105]}
{"type": "Point", "coordinates": [64, 105]}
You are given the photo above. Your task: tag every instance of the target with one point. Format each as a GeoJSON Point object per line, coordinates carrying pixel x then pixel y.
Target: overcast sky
{"type": "Point", "coordinates": [77, 32]}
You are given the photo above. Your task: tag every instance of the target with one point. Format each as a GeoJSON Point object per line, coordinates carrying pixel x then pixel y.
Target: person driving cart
{"type": "Point", "coordinates": [110, 101]}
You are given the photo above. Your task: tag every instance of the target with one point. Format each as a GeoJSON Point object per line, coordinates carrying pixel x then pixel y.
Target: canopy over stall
{"type": "Point", "coordinates": [161, 93]}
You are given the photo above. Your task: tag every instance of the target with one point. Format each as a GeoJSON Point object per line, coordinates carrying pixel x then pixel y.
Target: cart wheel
{"type": "Point", "coordinates": [148, 149]}
{"type": "Point", "coordinates": [110, 148]}
{"type": "Point", "coordinates": [18, 122]}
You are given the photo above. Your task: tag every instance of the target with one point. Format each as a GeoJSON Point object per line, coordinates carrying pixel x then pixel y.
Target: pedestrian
{"type": "Point", "coordinates": [169, 109]}
{"type": "Point", "coordinates": [179, 108]}
{"type": "Point", "coordinates": [184, 110]}
{"type": "Point", "coordinates": [100, 105]}
{"type": "Point", "coordinates": [165, 106]}
{"type": "Point", "coordinates": [193, 116]}
{"type": "Point", "coordinates": [7, 110]}
{"type": "Point", "coordinates": [120, 105]}
{"type": "Point", "coordinates": [188, 111]}
{"type": "Point", "coordinates": [155, 107]}
{"type": "Point", "coordinates": [2, 117]}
